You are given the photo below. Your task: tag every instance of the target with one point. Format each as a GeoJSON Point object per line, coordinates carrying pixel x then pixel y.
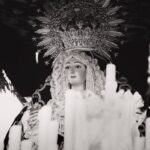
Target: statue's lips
{"type": "Point", "coordinates": [73, 76]}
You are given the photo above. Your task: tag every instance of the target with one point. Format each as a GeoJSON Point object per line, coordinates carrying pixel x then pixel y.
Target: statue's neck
{"type": "Point", "coordinates": [79, 88]}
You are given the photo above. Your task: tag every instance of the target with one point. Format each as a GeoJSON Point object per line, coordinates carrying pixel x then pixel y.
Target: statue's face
{"type": "Point", "coordinates": [75, 72]}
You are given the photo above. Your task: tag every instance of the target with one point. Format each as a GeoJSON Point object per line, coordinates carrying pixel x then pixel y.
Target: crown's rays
{"type": "Point", "coordinates": [106, 3]}
{"type": "Point", "coordinates": [113, 10]}
{"type": "Point", "coordinates": [79, 25]}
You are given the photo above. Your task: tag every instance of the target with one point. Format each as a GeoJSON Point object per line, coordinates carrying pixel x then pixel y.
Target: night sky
{"type": "Point", "coordinates": [17, 55]}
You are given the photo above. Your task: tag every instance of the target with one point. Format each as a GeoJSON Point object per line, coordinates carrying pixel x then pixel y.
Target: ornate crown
{"type": "Point", "coordinates": [85, 25]}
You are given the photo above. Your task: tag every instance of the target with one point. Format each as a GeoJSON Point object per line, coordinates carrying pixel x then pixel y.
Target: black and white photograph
{"type": "Point", "coordinates": [75, 75]}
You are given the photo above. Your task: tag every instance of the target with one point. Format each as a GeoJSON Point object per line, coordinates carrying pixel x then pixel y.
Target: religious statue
{"type": "Point", "coordinates": [87, 109]}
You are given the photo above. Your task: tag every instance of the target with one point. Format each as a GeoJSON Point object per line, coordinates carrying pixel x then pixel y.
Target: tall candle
{"type": "Point", "coordinates": [147, 144]}
{"type": "Point", "coordinates": [45, 128]}
{"type": "Point", "coordinates": [53, 135]}
{"type": "Point", "coordinates": [37, 57]}
{"type": "Point", "coordinates": [14, 138]}
{"type": "Point", "coordinates": [76, 135]}
{"type": "Point", "coordinates": [110, 72]}
{"type": "Point", "coordinates": [69, 120]}
{"type": "Point", "coordinates": [149, 64]}
{"type": "Point", "coordinates": [110, 84]}
{"type": "Point", "coordinates": [139, 143]}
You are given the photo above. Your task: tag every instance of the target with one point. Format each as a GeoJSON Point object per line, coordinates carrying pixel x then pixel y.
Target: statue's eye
{"type": "Point", "coordinates": [67, 67]}
{"type": "Point", "coordinates": [78, 66]}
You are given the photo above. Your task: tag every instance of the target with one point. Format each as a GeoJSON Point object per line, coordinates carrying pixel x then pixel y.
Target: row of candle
{"type": "Point", "coordinates": [110, 87]}
{"type": "Point", "coordinates": [47, 133]}
{"type": "Point", "coordinates": [48, 129]}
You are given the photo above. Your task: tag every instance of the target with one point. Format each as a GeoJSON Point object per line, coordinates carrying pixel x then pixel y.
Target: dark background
{"type": "Point", "coordinates": [17, 50]}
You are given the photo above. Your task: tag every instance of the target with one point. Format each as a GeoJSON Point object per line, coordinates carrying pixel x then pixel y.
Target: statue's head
{"type": "Point", "coordinates": [76, 69]}
{"type": "Point", "coordinates": [75, 73]}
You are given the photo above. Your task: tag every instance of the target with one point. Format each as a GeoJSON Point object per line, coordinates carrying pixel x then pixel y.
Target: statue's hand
{"type": "Point", "coordinates": [30, 121]}
{"type": "Point", "coordinates": [33, 119]}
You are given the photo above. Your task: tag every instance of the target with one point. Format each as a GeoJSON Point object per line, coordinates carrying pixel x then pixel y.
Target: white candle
{"type": "Point", "coordinates": [148, 80]}
{"type": "Point", "coordinates": [53, 135]}
{"type": "Point", "coordinates": [75, 122]}
{"type": "Point", "coordinates": [37, 57]}
{"type": "Point", "coordinates": [147, 144]}
{"type": "Point", "coordinates": [69, 120]}
{"type": "Point", "coordinates": [111, 83]}
{"type": "Point", "coordinates": [44, 118]}
{"type": "Point", "coordinates": [26, 145]}
{"type": "Point", "coordinates": [139, 143]}
{"type": "Point", "coordinates": [14, 138]}
{"type": "Point", "coordinates": [149, 64]}
{"type": "Point", "coordinates": [48, 130]}
{"type": "Point", "coordinates": [149, 59]}
{"type": "Point", "coordinates": [111, 72]}
{"type": "Point", "coordinates": [105, 144]}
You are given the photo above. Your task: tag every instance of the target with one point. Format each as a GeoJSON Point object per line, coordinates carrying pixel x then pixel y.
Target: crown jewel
{"type": "Point", "coordinates": [79, 39]}
{"type": "Point", "coordinates": [86, 25]}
